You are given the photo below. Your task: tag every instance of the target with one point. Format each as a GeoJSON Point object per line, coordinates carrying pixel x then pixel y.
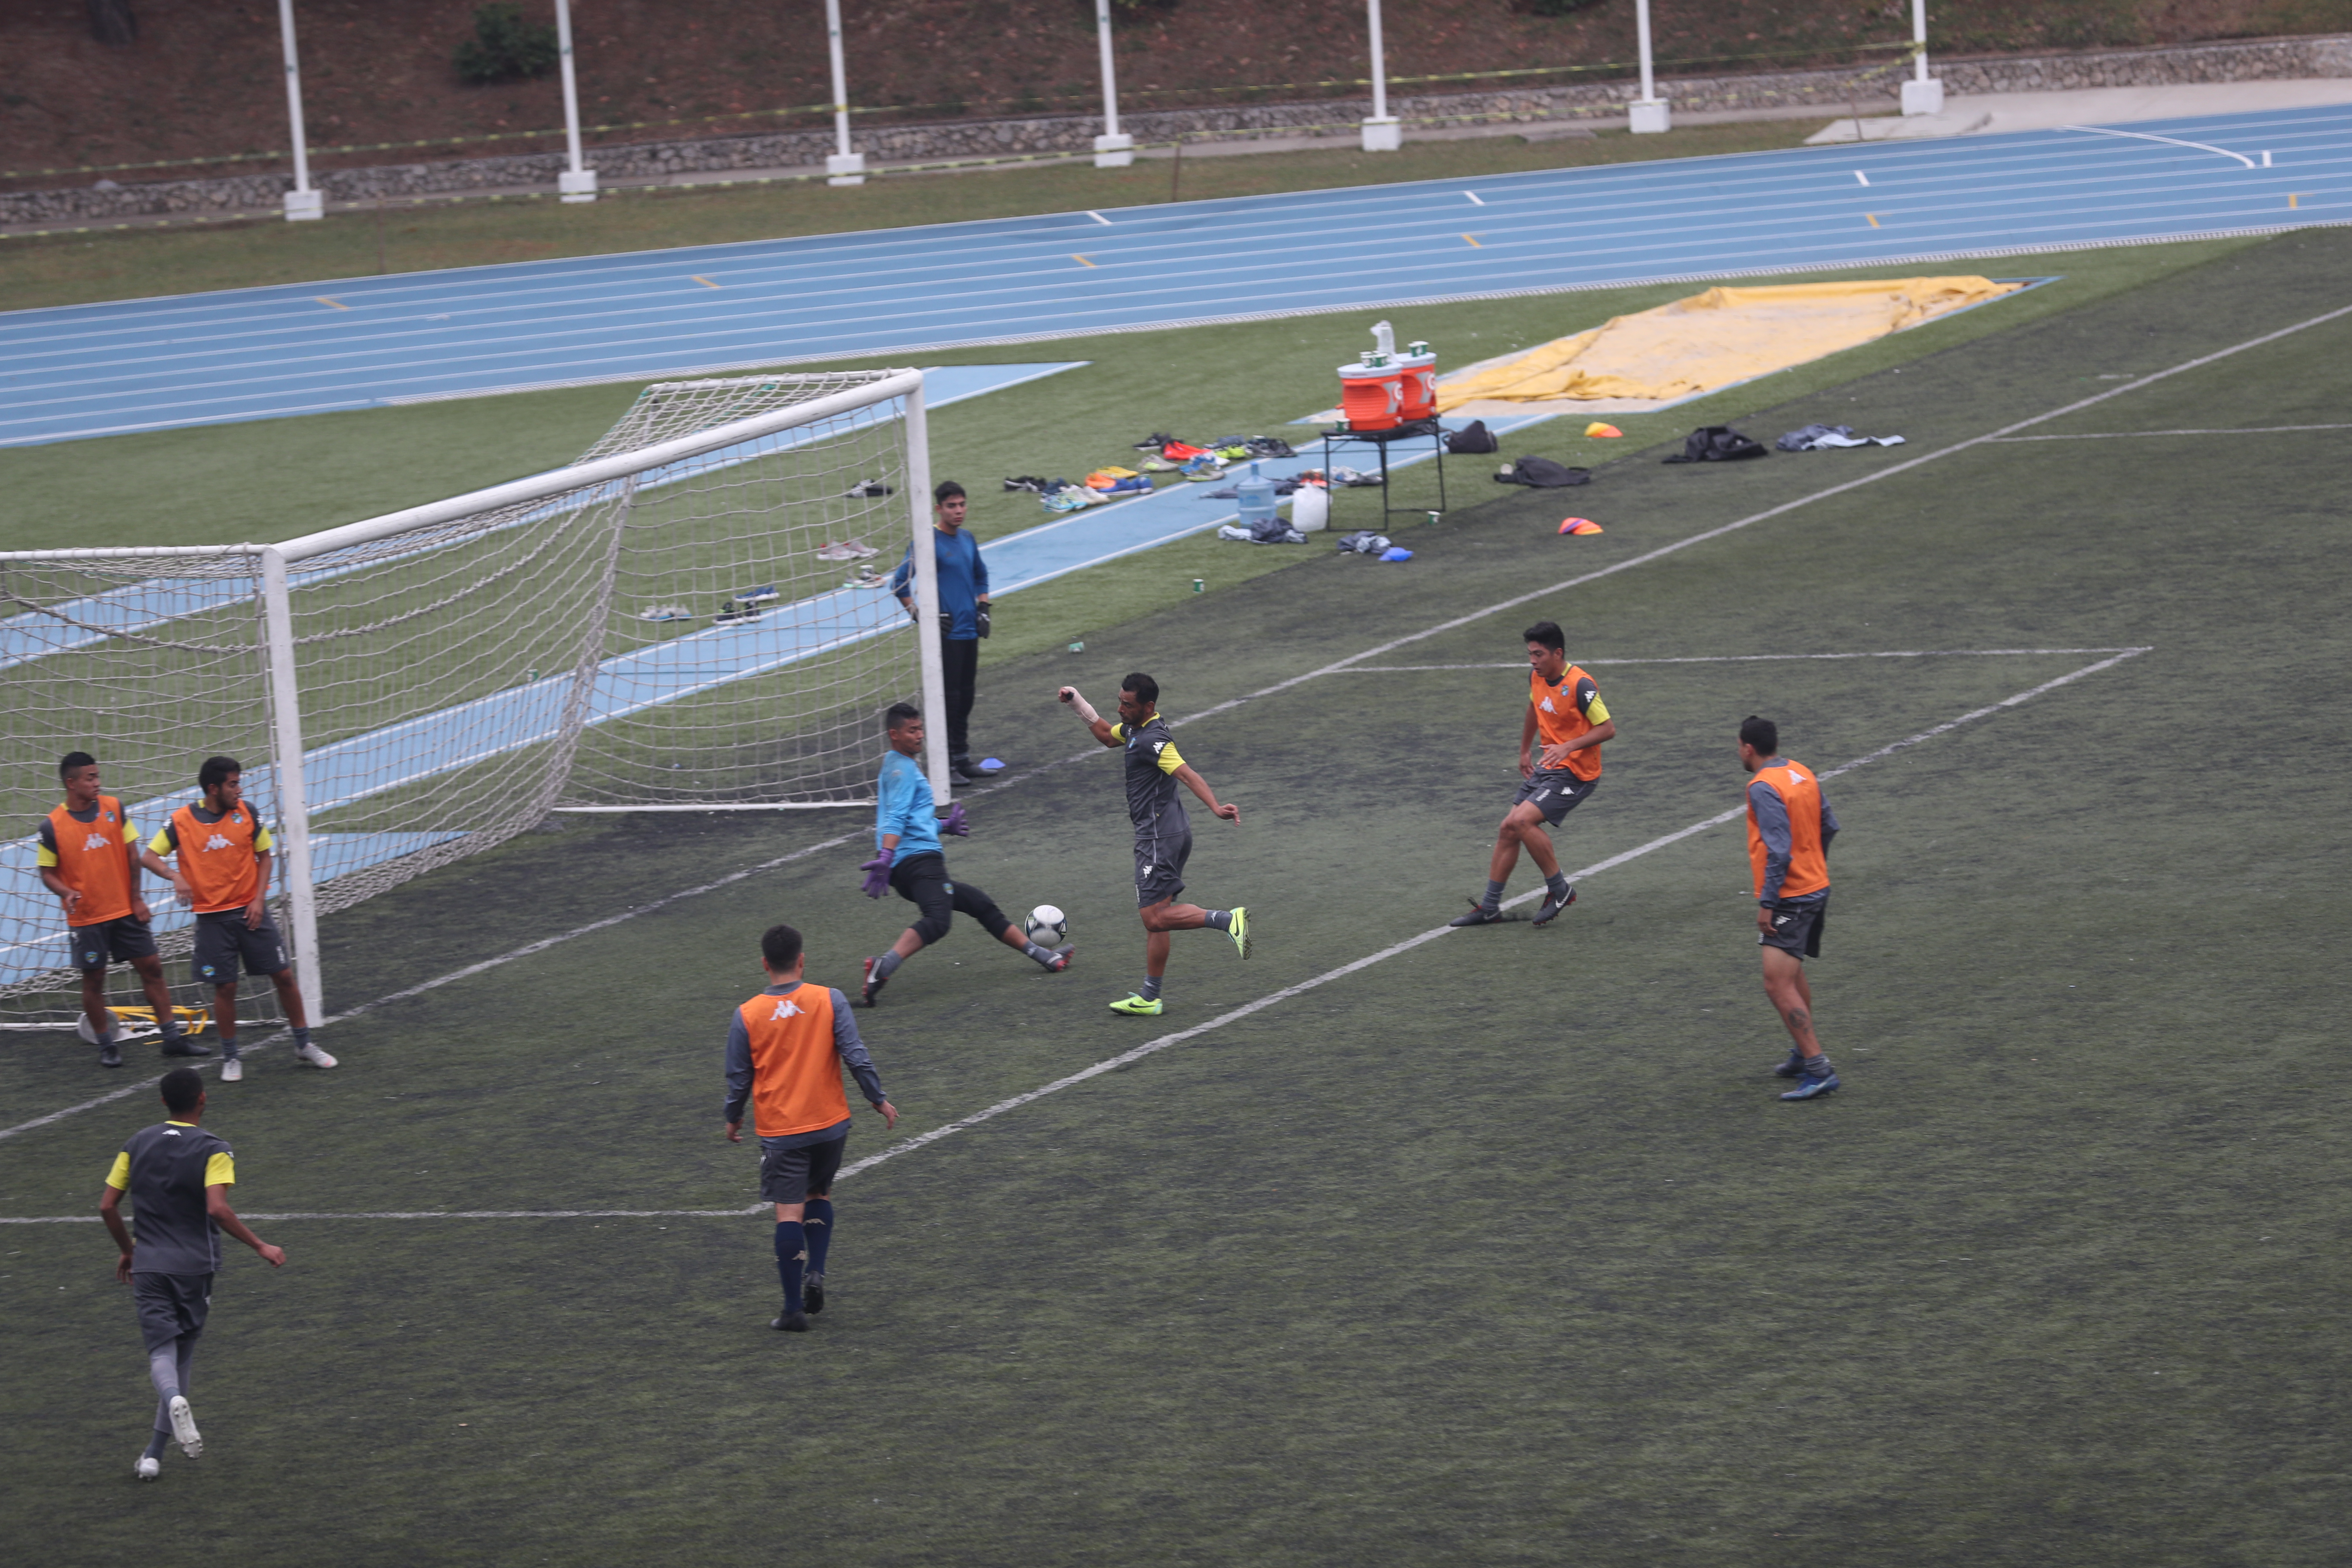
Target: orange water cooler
{"type": "Point", "coordinates": [1372, 393]}
{"type": "Point", "coordinates": [1419, 386]}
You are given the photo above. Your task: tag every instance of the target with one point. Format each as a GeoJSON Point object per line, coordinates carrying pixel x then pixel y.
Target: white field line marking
{"type": "Point", "coordinates": [1389, 647]}
{"type": "Point", "coordinates": [1475, 198]}
{"type": "Point", "coordinates": [1861, 177]}
{"type": "Point", "coordinates": [1151, 1047]}
{"type": "Point", "coordinates": [1747, 659]}
{"type": "Point", "coordinates": [2138, 435]}
{"type": "Point", "coordinates": [2167, 140]}
{"type": "Point", "coordinates": [1100, 219]}
{"type": "Point", "coordinates": [526, 951]}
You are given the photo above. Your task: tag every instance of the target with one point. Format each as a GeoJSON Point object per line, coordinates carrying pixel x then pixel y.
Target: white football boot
{"type": "Point", "coordinates": [183, 1427]}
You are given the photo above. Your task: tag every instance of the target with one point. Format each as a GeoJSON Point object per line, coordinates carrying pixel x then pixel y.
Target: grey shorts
{"type": "Point", "coordinates": [1555, 794]}
{"type": "Point", "coordinates": [790, 1176]}
{"type": "Point", "coordinates": [221, 938]}
{"type": "Point", "coordinates": [110, 942]}
{"type": "Point", "coordinates": [171, 1305]}
{"type": "Point", "coordinates": [1160, 870]}
{"type": "Point", "coordinates": [1797, 928]}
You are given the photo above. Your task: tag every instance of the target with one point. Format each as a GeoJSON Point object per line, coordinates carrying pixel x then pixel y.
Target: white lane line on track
{"type": "Point", "coordinates": [2138, 435]}
{"type": "Point", "coordinates": [2167, 140]}
{"type": "Point", "coordinates": [1389, 647]}
{"type": "Point", "coordinates": [1152, 1047]}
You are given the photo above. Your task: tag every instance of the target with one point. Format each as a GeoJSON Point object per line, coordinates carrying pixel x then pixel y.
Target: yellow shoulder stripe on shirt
{"type": "Point", "coordinates": [118, 1178]}
{"type": "Point", "coordinates": [1596, 709]}
{"type": "Point", "coordinates": [220, 1170]}
{"type": "Point", "coordinates": [1169, 761]}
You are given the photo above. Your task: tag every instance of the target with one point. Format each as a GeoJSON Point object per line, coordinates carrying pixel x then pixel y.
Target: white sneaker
{"type": "Point", "coordinates": [232, 1070]}
{"type": "Point", "coordinates": [150, 1467]}
{"type": "Point", "coordinates": [312, 1056]}
{"type": "Point", "coordinates": [183, 1427]}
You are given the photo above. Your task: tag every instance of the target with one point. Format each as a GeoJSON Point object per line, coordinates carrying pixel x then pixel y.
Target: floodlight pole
{"type": "Point", "coordinates": [1381, 132]}
{"type": "Point", "coordinates": [844, 167]}
{"type": "Point", "coordinates": [577, 184]}
{"type": "Point", "coordinates": [302, 203]}
{"type": "Point", "coordinates": [1923, 94]}
{"type": "Point", "coordinates": [1651, 114]}
{"type": "Point", "coordinates": [1112, 150]}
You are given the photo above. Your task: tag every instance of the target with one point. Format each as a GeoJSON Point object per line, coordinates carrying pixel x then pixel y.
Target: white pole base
{"type": "Point", "coordinates": [303, 206]}
{"type": "Point", "coordinates": [1650, 116]}
{"type": "Point", "coordinates": [1114, 152]}
{"type": "Point", "coordinates": [1924, 97]}
{"type": "Point", "coordinates": [1383, 135]}
{"type": "Point", "coordinates": [579, 187]}
{"type": "Point", "coordinates": [846, 169]}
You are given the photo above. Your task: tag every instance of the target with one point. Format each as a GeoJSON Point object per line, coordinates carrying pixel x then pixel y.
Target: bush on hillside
{"type": "Point", "coordinates": [504, 47]}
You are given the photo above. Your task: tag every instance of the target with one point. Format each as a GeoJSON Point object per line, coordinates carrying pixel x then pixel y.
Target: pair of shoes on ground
{"type": "Point", "coordinates": [1137, 1006]}
{"type": "Point", "coordinates": [846, 550]}
{"type": "Point", "coordinates": [1810, 1085]}
{"type": "Point", "coordinates": [1479, 914]}
{"type": "Point", "coordinates": [233, 1068]}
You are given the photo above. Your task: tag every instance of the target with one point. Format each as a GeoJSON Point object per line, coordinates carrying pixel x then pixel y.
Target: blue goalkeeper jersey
{"type": "Point", "coordinates": [907, 808]}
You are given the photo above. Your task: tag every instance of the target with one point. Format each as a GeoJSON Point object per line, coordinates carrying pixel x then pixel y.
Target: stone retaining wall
{"type": "Point", "coordinates": [2251, 60]}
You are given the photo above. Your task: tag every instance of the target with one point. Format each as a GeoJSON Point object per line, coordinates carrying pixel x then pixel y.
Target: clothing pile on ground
{"type": "Point", "coordinates": [1364, 541]}
{"type": "Point", "coordinates": [1717, 443]}
{"type": "Point", "coordinates": [1823, 438]}
{"type": "Point", "coordinates": [1542, 473]}
{"type": "Point", "coordinates": [1266, 531]}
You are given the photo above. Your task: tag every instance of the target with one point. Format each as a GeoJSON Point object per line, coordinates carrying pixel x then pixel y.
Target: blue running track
{"type": "Point", "coordinates": [258, 353]}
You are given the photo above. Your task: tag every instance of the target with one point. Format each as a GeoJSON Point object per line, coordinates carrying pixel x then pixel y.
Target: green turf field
{"type": "Point", "coordinates": [1496, 1249]}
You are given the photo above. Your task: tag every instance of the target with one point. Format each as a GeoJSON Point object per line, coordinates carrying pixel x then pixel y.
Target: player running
{"type": "Point", "coordinates": [1789, 825]}
{"type": "Point", "coordinates": [88, 856]}
{"type": "Point", "coordinates": [1163, 833]}
{"type": "Point", "coordinates": [178, 1176]}
{"type": "Point", "coordinates": [910, 858]}
{"type": "Point", "coordinates": [1564, 707]}
{"type": "Point", "coordinates": [220, 869]}
{"type": "Point", "coordinates": [785, 1051]}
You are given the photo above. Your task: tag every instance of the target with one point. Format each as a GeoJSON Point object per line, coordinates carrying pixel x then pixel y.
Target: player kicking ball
{"type": "Point", "coordinates": [1789, 825]}
{"type": "Point", "coordinates": [1565, 710]}
{"type": "Point", "coordinates": [909, 857]}
{"type": "Point", "coordinates": [785, 1051]}
{"type": "Point", "coordinates": [1163, 833]}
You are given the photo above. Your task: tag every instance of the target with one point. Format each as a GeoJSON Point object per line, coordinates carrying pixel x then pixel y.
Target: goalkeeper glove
{"type": "Point", "coordinates": [877, 874]}
{"type": "Point", "coordinates": [954, 823]}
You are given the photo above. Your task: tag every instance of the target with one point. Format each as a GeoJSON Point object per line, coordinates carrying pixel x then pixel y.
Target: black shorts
{"type": "Point", "coordinates": [1160, 870]}
{"type": "Point", "coordinates": [221, 938]}
{"type": "Point", "coordinates": [110, 942]}
{"type": "Point", "coordinates": [790, 1176]}
{"type": "Point", "coordinates": [1555, 794]}
{"type": "Point", "coordinates": [1797, 928]}
{"type": "Point", "coordinates": [169, 1305]}
{"type": "Point", "coordinates": [923, 882]}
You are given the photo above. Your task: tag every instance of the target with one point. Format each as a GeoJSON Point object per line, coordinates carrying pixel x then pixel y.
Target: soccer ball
{"type": "Point", "coordinates": [1047, 925]}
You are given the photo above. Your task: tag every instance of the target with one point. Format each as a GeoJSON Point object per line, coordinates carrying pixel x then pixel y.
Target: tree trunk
{"type": "Point", "coordinates": [111, 22]}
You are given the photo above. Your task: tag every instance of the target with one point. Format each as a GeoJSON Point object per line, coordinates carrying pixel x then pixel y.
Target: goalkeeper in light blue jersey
{"type": "Point", "coordinates": [909, 857]}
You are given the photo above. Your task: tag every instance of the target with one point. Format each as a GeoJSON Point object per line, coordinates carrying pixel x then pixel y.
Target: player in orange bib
{"type": "Point", "coordinates": [1789, 825]}
{"type": "Point", "coordinates": [88, 855]}
{"type": "Point", "coordinates": [221, 872]}
{"type": "Point", "coordinates": [785, 1051]}
{"type": "Point", "coordinates": [1565, 710]}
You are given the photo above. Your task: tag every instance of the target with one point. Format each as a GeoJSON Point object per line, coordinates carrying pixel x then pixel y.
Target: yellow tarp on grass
{"type": "Point", "coordinates": [1713, 338]}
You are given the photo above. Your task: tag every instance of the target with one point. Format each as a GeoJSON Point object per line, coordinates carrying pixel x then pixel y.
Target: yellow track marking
{"type": "Point", "coordinates": [706, 282]}
{"type": "Point", "coordinates": [338, 305]}
{"type": "Point", "coordinates": [1081, 259]}
{"type": "Point", "coordinates": [1472, 241]}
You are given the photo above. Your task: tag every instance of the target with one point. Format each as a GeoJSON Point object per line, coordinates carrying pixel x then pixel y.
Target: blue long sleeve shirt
{"type": "Point", "coordinates": [964, 578]}
{"type": "Point", "coordinates": [907, 808]}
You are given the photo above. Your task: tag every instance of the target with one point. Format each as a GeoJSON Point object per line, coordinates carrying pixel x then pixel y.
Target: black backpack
{"type": "Point", "coordinates": [1472, 437]}
{"type": "Point", "coordinates": [1717, 443]}
{"type": "Point", "coordinates": [1542, 474]}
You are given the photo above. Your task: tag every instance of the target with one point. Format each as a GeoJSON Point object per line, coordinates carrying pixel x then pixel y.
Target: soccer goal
{"type": "Point", "coordinates": [693, 616]}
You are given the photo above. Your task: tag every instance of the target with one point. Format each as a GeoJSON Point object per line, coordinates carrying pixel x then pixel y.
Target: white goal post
{"type": "Point", "coordinates": [693, 616]}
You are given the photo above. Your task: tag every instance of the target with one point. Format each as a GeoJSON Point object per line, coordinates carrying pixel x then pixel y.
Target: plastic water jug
{"type": "Point", "coordinates": [1310, 508]}
{"type": "Point", "coordinates": [1257, 498]}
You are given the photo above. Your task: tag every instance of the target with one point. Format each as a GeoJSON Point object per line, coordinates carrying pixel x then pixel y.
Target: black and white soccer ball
{"type": "Point", "coordinates": [1048, 926]}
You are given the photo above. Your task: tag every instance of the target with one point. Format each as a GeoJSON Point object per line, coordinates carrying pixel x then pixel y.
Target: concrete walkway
{"type": "Point", "coordinates": [1992, 113]}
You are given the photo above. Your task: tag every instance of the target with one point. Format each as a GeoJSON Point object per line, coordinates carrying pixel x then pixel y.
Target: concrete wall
{"type": "Point", "coordinates": [2251, 60]}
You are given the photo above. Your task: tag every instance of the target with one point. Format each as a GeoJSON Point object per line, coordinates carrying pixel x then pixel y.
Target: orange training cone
{"type": "Point", "coordinates": [1599, 430]}
{"type": "Point", "coordinates": [1580, 525]}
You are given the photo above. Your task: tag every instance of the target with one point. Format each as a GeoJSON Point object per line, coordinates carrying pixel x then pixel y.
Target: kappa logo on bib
{"type": "Point", "coordinates": [218, 842]}
{"type": "Point", "coordinates": [95, 841]}
{"type": "Point", "coordinates": [785, 1008]}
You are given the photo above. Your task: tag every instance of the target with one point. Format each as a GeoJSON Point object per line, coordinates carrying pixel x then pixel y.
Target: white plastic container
{"type": "Point", "coordinates": [1310, 508]}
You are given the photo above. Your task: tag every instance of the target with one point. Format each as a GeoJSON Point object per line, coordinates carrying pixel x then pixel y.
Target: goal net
{"type": "Point", "coordinates": [694, 616]}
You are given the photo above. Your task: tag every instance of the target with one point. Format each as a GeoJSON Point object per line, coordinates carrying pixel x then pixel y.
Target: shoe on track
{"type": "Point", "coordinates": [1479, 915]}
{"type": "Point", "coordinates": [183, 1427]}
{"type": "Point", "coordinates": [1811, 1088]}
{"type": "Point", "coordinates": [1134, 1006]}
{"type": "Point", "coordinates": [312, 1056]}
{"type": "Point", "coordinates": [149, 1467]}
{"type": "Point", "coordinates": [1239, 930]}
{"type": "Point", "coordinates": [1790, 1067]}
{"type": "Point", "coordinates": [181, 1045]}
{"type": "Point", "coordinates": [813, 1292]}
{"type": "Point", "coordinates": [232, 1069]}
{"type": "Point", "coordinates": [1551, 907]}
{"type": "Point", "coordinates": [792, 1323]}
{"type": "Point", "coordinates": [110, 1055]}
{"type": "Point", "coordinates": [873, 987]}
{"type": "Point", "coordinates": [1062, 958]}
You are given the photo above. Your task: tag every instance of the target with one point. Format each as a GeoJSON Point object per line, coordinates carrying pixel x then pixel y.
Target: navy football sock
{"type": "Point", "coordinates": [1493, 903]}
{"type": "Point", "coordinates": [1150, 992]}
{"type": "Point", "coordinates": [791, 1245]}
{"type": "Point", "coordinates": [816, 1224]}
